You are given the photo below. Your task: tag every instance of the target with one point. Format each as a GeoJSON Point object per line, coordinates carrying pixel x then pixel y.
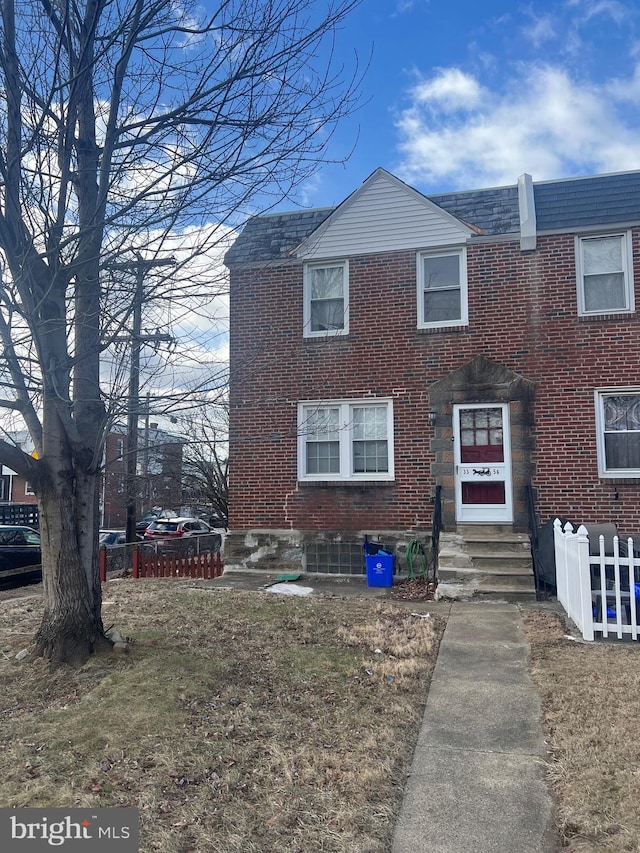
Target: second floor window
{"type": "Point", "coordinates": [604, 271]}
{"type": "Point", "coordinates": [326, 299]}
{"type": "Point", "coordinates": [442, 289]}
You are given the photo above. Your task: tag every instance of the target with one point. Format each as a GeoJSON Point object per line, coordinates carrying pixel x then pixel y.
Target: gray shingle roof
{"type": "Point", "coordinates": [582, 202]}
{"type": "Point", "coordinates": [265, 238]}
{"type": "Point", "coordinates": [564, 204]}
{"type": "Point", "coordinates": [495, 211]}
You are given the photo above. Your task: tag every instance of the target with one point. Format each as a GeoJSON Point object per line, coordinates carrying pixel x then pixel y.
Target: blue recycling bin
{"type": "Point", "coordinates": [379, 568]}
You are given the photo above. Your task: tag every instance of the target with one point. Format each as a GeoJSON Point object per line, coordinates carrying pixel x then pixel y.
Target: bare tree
{"type": "Point", "coordinates": [205, 464]}
{"type": "Point", "coordinates": [126, 128]}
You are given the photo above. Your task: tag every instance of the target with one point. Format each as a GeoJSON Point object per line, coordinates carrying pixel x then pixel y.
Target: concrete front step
{"type": "Point", "coordinates": [488, 561]}
{"type": "Point", "coordinates": [446, 571]}
{"type": "Point", "coordinates": [497, 531]}
{"type": "Point", "coordinates": [502, 562]}
{"type": "Point", "coordinates": [480, 586]}
{"type": "Point", "coordinates": [489, 546]}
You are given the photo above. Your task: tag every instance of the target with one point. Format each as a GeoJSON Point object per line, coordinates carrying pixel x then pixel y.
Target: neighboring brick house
{"type": "Point", "coordinates": [479, 341]}
{"type": "Point", "coordinates": [159, 473]}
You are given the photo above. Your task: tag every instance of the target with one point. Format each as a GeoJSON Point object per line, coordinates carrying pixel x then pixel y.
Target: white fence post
{"type": "Point", "coordinates": [584, 602]}
{"type": "Point", "coordinates": [561, 562]}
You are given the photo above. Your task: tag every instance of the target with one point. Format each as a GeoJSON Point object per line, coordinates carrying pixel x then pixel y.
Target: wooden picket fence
{"type": "Point", "coordinates": [146, 563]}
{"type": "Point", "coordinates": [600, 592]}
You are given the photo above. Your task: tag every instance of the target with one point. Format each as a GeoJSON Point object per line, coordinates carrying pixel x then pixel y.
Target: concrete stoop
{"type": "Point", "coordinates": [485, 562]}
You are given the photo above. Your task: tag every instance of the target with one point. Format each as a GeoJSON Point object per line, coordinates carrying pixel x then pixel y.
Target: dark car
{"type": "Point", "coordinates": [20, 554]}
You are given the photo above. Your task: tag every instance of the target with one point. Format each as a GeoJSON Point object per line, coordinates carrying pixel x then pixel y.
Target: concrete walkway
{"type": "Point", "coordinates": [477, 780]}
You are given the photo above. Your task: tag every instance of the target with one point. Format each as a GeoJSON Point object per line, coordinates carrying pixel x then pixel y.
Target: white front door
{"type": "Point", "coordinates": [482, 459]}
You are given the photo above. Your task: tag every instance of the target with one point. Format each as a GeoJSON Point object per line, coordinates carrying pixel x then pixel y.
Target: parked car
{"type": "Point", "coordinates": [174, 528]}
{"type": "Point", "coordinates": [153, 515]}
{"type": "Point", "coordinates": [20, 554]}
{"type": "Point", "coordinates": [179, 531]}
{"type": "Point", "coordinates": [218, 521]}
{"type": "Point", "coordinates": [109, 538]}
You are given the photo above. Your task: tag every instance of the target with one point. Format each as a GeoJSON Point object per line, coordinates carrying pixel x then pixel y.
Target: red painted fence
{"type": "Point", "coordinates": [147, 564]}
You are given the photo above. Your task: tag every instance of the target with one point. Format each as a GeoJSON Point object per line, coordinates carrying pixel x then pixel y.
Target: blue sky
{"type": "Point", "coordinates": [462, 94]}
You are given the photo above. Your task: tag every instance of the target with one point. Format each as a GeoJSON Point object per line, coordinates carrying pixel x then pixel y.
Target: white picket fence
{"type": "Point", "coordinates": [600, 592]}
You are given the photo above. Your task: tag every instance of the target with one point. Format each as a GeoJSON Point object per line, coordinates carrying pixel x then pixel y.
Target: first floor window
{"type": "Point", "coordinates": [442, 289]}
{"type": "Point", "coordinates": [605, 280]}
{"type": "Point", "coordinates": [619, 433]}
{"type": "Point", "coordinates": [345, 440]}
{"type": "Point", "coordinates": [325, 299]}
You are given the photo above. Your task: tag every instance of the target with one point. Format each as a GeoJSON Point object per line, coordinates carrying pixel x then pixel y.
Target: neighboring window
{"type": "Point", "coordinates": [5, 488]}
{"type": "Point", "coordinates": [604, 270]}
{"type": "Point", "coordinates": [618, 419]}
{"type": "Point", "coordinates": [326, 289]}
{"type": "Point", "coordinates": [28, 488]}
{"type": "Point", "coordinates": [120, 446]}
{"type": "Point", "coordinates": [345, 440]}
{"type": "Point", "coordinates": [442, 288]}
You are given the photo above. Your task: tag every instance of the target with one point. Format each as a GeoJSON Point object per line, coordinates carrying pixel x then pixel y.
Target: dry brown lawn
{"type": "Point", "coordinates": [591, 705]}
{"type": "Point", "coordinates": [238, 721]}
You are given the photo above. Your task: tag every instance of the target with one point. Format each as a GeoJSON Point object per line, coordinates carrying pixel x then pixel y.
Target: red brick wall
{"type": "Point", "coordinates": [18, 491]}
{"type": "Point", "coordinates": [522, 313]}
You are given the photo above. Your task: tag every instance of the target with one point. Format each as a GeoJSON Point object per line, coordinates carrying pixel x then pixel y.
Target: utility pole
{"type": "Point", "coordinates": [137, 339]}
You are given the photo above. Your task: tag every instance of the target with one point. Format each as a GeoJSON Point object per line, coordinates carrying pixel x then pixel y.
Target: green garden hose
{"type": "Point", "coordinates": [416, 560]}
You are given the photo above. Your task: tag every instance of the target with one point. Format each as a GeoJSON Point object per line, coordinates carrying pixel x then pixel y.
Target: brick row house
{"type": "Point", "coordinates": [481, 344]}
{"type": "Point", "coordinates": [159, 473]}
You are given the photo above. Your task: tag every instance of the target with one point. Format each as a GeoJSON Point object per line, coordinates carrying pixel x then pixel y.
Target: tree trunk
{"type": "Point", "coordinates": [71, 628]}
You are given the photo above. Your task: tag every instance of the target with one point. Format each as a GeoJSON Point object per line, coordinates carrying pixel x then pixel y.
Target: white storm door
{"type": "Point", "coordinates": [482, 459]}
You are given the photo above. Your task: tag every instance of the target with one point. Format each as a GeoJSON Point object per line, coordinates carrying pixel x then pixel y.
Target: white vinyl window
{"type": "Point", "coordinates": [326, 299]}
{"type": "Point", "coordinates": [345, 440]}
{"type": "Point", "coordinates": [605, 274]}
{"type": "Point", "coordinates": [618, 428]}
{"type": "Point", "coordinates": [442, 288]}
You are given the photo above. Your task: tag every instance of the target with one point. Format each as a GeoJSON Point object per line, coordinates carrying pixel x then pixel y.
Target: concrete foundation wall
{"type": "Point", "coordinates": [284, 550]}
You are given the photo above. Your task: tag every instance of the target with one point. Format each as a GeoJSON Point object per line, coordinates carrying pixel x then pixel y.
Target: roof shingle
{"type": "Point", "coordinates": [563, 204]}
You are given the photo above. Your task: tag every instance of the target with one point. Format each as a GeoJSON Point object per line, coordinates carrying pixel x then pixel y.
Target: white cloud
{"type": "Point", "coordinates": [540, 30]}
{"type": "Point", "coordinates": [618, 12]}
{"type": "Point", "coordinates": [542, 121]}
{"type": "Point", "coordinates": [450, 89]}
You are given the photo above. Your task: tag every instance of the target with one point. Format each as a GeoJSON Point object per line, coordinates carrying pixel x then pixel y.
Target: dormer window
{"type": "Point", "coordinates": [605, 274]}
{"type": "Point", "coordinates": [326, 289]}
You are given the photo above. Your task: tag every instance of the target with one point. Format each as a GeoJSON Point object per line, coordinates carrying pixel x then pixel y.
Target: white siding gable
{"type": "Point", "coordinates": [383, 215]}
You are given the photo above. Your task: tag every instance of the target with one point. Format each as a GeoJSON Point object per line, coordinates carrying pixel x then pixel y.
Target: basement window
{"type": "Point", "coordinates": [335, 558]}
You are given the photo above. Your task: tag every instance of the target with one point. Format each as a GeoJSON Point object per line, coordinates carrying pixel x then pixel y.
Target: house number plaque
{"type": "Point", "coordinates": [473, 473]}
